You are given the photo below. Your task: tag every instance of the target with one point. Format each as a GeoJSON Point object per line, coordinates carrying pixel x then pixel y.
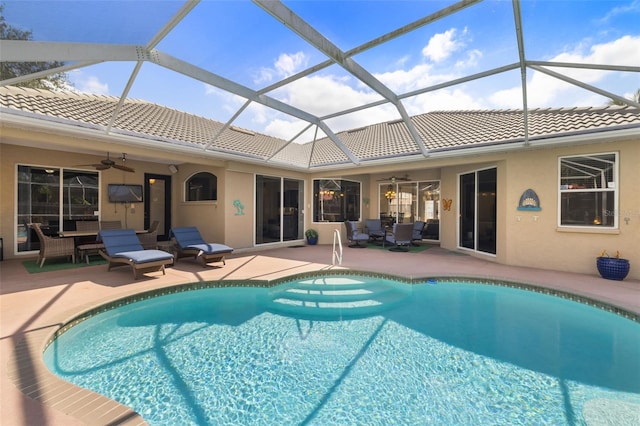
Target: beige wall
{"type": "Point", "coordinates": [207, 216]}
{"type": "Point", "coordinates": [524, 238]}
{"type": "Point", "coordinates": [534, 239]}
{"type": "Point", "coordinates": [240, 226]}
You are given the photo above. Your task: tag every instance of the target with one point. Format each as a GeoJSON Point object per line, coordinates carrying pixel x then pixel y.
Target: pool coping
{"type": "Point", "coordinates": [37, 382]}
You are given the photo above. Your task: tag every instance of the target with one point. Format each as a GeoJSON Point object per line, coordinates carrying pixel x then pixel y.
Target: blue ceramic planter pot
{"type": "Point", "coordinates": [312, 241]}
{"type": "Point", "coordinates": [613, 268]}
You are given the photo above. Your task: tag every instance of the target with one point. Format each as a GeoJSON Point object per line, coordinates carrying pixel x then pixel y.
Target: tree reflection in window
{"type": "Point", "coordinates": [202, 186]}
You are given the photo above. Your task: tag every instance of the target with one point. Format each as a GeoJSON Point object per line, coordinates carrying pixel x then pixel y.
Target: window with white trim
{"type": "Point", "coordinates": [588, 195]}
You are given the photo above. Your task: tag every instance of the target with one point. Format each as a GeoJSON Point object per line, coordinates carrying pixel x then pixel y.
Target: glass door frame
{"type": "Point", "coordinates": [278, 214]}
{"type": "Point", "coordinates": [406, 202]}
{"type": "Point", "coordinates": [477, 210]}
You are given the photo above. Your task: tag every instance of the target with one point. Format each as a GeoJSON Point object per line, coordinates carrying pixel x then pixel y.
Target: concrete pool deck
{"type": "Point", "coordinates": [33, 306]}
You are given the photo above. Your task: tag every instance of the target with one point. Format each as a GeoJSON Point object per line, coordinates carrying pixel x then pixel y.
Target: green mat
{"type": "Point", "coordinates": [412, 249]}
{"type": "Point", "coordinates": [60, 264]}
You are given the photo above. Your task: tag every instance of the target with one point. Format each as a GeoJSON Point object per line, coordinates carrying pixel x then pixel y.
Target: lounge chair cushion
{"type": "Point", "coordinates": [143, 256]}
{"type": "Point", "coordinates": [210, 248]}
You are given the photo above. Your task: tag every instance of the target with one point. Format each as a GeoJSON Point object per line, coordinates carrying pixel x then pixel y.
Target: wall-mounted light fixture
{"type": "Point", "coordinates": [152, 181]}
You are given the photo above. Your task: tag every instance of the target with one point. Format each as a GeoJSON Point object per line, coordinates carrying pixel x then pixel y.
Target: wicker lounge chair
{"type": "Point", "coordinates": [53, 246]}
{"type": "Point", "coordinates": [189, 243]}
{"type": "Point", "coordinates": [122, 247]}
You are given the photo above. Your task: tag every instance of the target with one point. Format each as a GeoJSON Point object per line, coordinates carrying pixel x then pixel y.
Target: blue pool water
{"type": "Point", "coordinates": [358, 350]}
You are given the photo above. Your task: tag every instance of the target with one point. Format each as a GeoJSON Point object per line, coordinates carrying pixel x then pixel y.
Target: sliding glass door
{"type": "Point", "coordinates": [278, 215]}
{"type": "Point", "coordinates": [411, 201]}
{"type": "Point", "coordinates": [477, 211]}
{"type": "Point", "coordinates": [56, 198]}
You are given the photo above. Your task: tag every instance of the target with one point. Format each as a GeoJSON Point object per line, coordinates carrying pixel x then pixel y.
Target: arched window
{"type": "Point", "coordinates": [202, 186]}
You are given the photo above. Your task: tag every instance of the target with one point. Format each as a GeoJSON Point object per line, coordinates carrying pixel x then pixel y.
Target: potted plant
{"type": "Point", "coordinates": [312, 236]}
{"type": "Point", "coordinates": [612, 268]}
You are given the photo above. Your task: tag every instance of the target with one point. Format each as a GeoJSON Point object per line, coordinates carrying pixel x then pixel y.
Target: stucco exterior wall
{"type": "Point", "coordinates": [524, 238]}
{"type": "Point", "coordinates": [534, 238]}
{"type": "Point", "coordinates": [239, 222]}
{"type": "Point", "coordinates": [207, 216]}
{"type": "Point", "coordinates": [12, 155]}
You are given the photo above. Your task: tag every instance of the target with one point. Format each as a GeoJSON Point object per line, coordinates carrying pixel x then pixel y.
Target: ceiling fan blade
{"type": "Point", "coordinates": [124, 168]}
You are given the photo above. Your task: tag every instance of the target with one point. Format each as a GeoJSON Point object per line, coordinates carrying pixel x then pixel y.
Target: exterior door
{"type": "Point", "coordinates": [157, 203]}
{"type": "Point", "coordinates": [278, 216]}
{"type": "Point", "coordinates": [477, 211]}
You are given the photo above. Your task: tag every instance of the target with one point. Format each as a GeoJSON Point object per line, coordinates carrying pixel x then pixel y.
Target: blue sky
{"type": "Point", "coordinates": [241, 42]}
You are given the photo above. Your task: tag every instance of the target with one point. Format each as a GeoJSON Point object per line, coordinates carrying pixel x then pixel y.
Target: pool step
{"type": "Point", "coordinates": [336, 298]}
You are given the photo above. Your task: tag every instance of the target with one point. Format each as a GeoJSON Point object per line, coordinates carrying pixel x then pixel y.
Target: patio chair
{"type": "Point", "coordinates": [432, 230]}
{"type": "Point", "coordinates": [149, 240]}
{"type": "Point", "coordinates": [53, 246]}
{"type": "Point", "coordinates": [401, 236]}
{"type": "Point", "coordinates": [374, 228]}
{"type": "Point", "coordinates": [418, 227]}
{"type": "Point", "coordinates": [86, 245]}
{"type": "Point", "coordinates": [354, 235]}
{"type": "Point", "coordinates": [189, 243]}
{"type": "Point", "coordinates": [122, 247]}
{"type": "Point", "coordinates": [153, 226]}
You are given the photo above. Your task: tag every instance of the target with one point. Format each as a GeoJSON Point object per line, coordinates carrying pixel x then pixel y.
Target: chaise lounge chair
{"type": "Point", "coordinates": [122, 247]}
{"type": "Point", "coordinates": [189, 242]}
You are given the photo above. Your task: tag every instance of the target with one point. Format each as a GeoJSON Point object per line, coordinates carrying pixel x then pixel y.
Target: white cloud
{"type": "Point", "coordinates": [286, 65]}
{"type": "Point", "coordinates": [88, 84]}
{"type": "Point", "coordinates": [322, 95]}
{"type": "Point", "coordinates": [471, 59]}
{"type": "Point", "coordinates": [442, 45]}
{"type": "Point", "coordinates": [544, 90]}
{"type": "Point", "coordinates": [634, 6]}
{"type": "Point", "coordinates": [443, 100]}
{"type": "Point", "coordinates": [289, 64]}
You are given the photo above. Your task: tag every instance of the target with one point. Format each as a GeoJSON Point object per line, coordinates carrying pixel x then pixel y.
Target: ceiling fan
{"type": "Point", "coordinates": [394, 179]}
{"type": "Point", "coordinates": [108, 163]}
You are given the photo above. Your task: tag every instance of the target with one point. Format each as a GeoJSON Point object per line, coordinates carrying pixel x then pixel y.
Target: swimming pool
{"type": "Point", "coordinates": [352, 349]}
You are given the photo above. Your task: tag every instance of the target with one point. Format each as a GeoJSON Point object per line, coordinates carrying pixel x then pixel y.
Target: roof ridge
{"type": "Point", "coordinates": [530, 110]}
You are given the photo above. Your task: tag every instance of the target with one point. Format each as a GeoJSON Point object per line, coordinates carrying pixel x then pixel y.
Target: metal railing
{"type": "Point", "coordinates": [337, 248]}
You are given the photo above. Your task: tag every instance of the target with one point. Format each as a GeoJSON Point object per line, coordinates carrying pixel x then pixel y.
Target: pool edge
{"type": "Point", "coordinates": [92, 408]}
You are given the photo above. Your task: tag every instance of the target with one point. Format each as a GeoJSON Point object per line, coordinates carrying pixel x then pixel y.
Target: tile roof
{"type": "Point", "coordinates": [440, 131]}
